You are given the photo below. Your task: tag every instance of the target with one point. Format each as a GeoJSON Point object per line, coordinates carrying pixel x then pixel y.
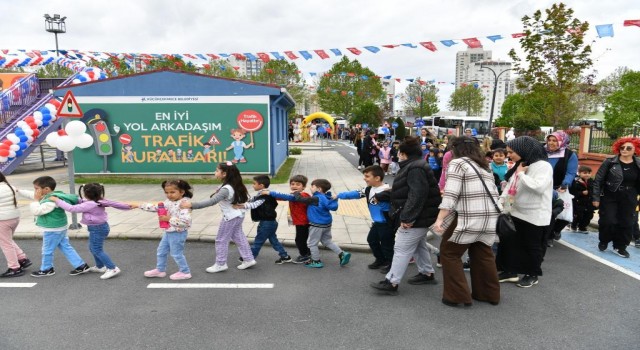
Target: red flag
{"type": "Point", "coordinates": [264, 57]}
{"type": "Point", "coordinates": [239, 56]}
{"type": "Point", "coordinates": [428, 45]}
{"type": "Point", "coordinates": [398, 80]}
{"type": "Point", "coordinates": [190, 56]}
{"type": "Point", "coordinates": [215, 57]}
{"type": "Point", "coordinates": [321, 53]}
{"type": "Point", "coordinates": [206, 65]}
{"type": "Point", "coordinates": [291, 55]}
{"type": "Point", "coordinates": [343, 93]}
{"type": "Point", "coordinates": [354, 50]}
{"type": "Point", "coordinates": [473, 43]}
{"type": "Point", "coordinates": [421, 82]}
{"type": "Point", "coordinates": [517, 35]}
{"type": "Point", "coordinates": [36, 61]}
{"type": "Point", "coordinates": [632, 22]}
{"type": "Point", "coordinates": [351, 74]}
{"type": "Point", "coordinates": [236, 67]}
{"type": "Point", "coordinates": [390, 46]}
{"type": "Point", "coordinates": [269, 70]}
{"type": "Point", "coordinates": [327, 74]}
{"type": "Point", "coordinates": [376, 77]}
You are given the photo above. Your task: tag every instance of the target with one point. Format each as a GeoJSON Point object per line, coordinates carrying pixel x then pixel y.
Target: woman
{"type": "Point", "coordinates": [358, 142]}
{"type": "Point", "coordinates": [426, 137]}
{"type": "Point", "coordinates": [565, 167]}
{"type": "Point", "coordinates": [9, 219]}
{"type": "Point", "coordinates": [615, 192]}
{"type": "Point", "coordinates": [414, 207]}
{"type": "Point", "coordinates": [474, 230]}
{"type": "Point", "coordinates": [527, 196]}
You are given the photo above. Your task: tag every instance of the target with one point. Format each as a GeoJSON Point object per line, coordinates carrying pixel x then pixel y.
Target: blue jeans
{"type": "Point", "coordinates": [97, 235]}
{"type": "Point", "coordinates": [58, 239]}
{"type": "Point", "coordinates": [267, 231]}
{"type": "Point", "coordinates": [172, 242]}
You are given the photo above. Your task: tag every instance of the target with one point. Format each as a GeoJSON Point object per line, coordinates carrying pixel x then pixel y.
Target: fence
{"type": "Point", "coordinates": [600, 141]}
{"type": "Point", "coordinates": [22, 93]}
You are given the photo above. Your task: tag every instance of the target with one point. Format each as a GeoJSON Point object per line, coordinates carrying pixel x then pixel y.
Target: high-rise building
{"type": "Point", "coordinates": [464, 59]}
{"type": "Point", "coordinates": [484, 80]}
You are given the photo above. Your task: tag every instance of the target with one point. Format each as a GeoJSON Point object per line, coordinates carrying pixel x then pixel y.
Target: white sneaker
{"type": "Point", "coordinates": [246, 264]}
{"type": "Point", "coordinates": [98, 269]}
{"type": "Point", "coordinates": [359, 167]}
{"type": "Point", "coordinates": [110, 273]}
{"type": "Point", "coordinates": [216, 268]}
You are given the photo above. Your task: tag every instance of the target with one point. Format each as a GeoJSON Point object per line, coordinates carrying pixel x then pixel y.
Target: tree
{"type": "Point", "coordinates": [401, 130]}
{"type": "Point", "coordinates": [466, 98]}
{"type": "Point", "coordinates": [171, 62]}
{"type": "Point", "coordinates": [510, 108]}
{"type": "Point", "coordinates": [555, 59]}
{"type": "Point", "coordinates": [114, 66]}
{"type": "Point", "coordinates": [54, 70]}
{"type": "Point", "coordinates": [286, 75]}
{"type": "Point", "coordinates": [220, 68]}
{"type": "Point", "coordinates": [367, 112]}
{"type": "Point", "coordinates": [610, 84]}
{"type": "Point", "coordinates": [421, 97]}
{"type": "Point", "coordinates": [347, 86]}
{"type": "Point", "coordinates": [622, 108]}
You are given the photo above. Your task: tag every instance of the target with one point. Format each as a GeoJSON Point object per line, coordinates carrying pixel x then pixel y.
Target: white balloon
{"type": "Point", "coordinates": [51, 108]}
{"type": "Point", "coordinates": [53, 118]}
{"type": "Point", "coordinates": [3, 159]}
{"type": "Point", "coordinates": [29, 139]}
{"type": "Point", "coordinates": [52, 139]}
{"type": "Point", "coordinates": [22, 124]}
{"type": "Point", "coordinates": [38, 122]}
{"type": "Point", "coordinates": [14, 147]}
{"type": "Point", "coordinates": [75, 128]}
{"type": "Point", "coordinates": [84, 141]}
{"type": "Point", "coordinates": [37, 115]}
{"type": "Point", "coordinates": [12, 154]}
{"type": "Point", "coordinates": [28, 131]}
{"type": "Point", "coordinates": [65, 143]}
{"type": "Point", "coordinates": [76, 81]}
{"type": "Point", "coordinates": [13, 138]}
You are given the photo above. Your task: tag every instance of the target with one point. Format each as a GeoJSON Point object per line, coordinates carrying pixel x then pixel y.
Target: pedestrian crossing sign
{"type": "Point", "coordinates": [69, 107]}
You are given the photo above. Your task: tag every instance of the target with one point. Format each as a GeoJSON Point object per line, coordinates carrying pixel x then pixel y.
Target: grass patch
{"type": "Point", "coordinates": [281, 177]}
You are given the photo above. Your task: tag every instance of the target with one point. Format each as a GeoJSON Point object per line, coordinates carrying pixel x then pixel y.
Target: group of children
{"type": "Point", "coordinates": [311, 215]}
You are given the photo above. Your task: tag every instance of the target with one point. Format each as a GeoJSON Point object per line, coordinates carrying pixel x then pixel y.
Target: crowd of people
{"type": "Point", "coordinates": [456, 192]}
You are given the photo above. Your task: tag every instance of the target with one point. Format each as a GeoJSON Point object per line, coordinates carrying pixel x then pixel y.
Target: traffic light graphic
{"type": "Point", "coordinates": [101, 136]}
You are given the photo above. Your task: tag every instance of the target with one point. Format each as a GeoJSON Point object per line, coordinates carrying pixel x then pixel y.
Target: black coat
{"type": "Point", "coordinates": [610, 177]}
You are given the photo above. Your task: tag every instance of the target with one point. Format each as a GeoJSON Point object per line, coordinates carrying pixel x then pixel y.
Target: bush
{"type": "Point", "coordinates": [295, 151]}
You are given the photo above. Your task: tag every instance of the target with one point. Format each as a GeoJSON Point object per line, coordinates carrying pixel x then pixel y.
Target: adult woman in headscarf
{"type": "Point", "coordinates": [414, 207]}
{"type": "Point", "coordinates": [615, 193]}
{"type": "Point", "coordinates": [474, 229]}
{"type": "Point", "coordinates": [565, 167]}
{"type": "Point", "coordinates": [527, 197]}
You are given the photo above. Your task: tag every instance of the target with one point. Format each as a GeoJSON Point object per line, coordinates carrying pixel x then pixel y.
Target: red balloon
{"type": "Point", "coordinates": [36, 132]}
{"type": "Point", "coordinates": [32, 125]}
{"type": "Point", "coordinates": [4, 152]}
{"type": "Point", "coordinates": [91, 74]}
{"type": "Point", "coordinates": [61, 132]}
{"type": "Point", "coordinates": [3, 146]}
{"type": "Point", "coordinates": [55, 102]}
{"type": "Point", "coordinates": [7, 142]}
{"type": "Point", "coordinates": [29, 119]}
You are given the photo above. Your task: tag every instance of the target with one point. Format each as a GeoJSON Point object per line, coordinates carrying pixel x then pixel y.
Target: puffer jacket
{"type": "Point", "coordinates": [609, 177]}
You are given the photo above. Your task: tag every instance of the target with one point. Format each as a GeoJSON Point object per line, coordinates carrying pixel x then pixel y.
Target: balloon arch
{"type": "Point", "coordinates": [318, 115]}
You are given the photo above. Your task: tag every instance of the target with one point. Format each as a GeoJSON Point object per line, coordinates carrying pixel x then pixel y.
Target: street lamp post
{"type": "Point", "coordinates": [55, 25]}
{"type": "Point", "coordinates": [495, 89]}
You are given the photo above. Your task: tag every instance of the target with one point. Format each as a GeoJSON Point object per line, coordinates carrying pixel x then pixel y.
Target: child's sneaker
{"type": "Point", "coordinates": [344, 258]}
{"type": "Point", "coordinates": [318, 264]}
{"type": "Point", "coordinates": [301, 259]}
{"type": "Point", "coordinates": [386, 287]}
{"type": "Point", "coordinates": [282, 260]}
{"type": "Point", "coordinates": [24, 263]}
{"type": "Point", "coordinates": [216, 268]}
{"type": "Point", "coordinates": [246, 264]}
{"type": "Point", "coordinates": [13, 272]}
{"type": "Point", "coordinates": [180, 276]}
{"type": "Point", "coordinates": [155, 273]}
{"type": "Point", "coordinates": [84, 268]}
{"type": "Point", "coordinates": [466, 266]}
{"type": "Point", "coordinates": [98, 269]}
{"type": "Point", "coordinates": [45, 273]}
{"type": "Point", "coordinates": [110, 273]}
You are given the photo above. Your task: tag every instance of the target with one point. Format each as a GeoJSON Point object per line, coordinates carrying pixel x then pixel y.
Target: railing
{"type": "Point", "coordinates": [600, 141]}
{"type": "Point", "coordinates": [22, 93]}
{"type": "Point", "coordinates": [574, 137]}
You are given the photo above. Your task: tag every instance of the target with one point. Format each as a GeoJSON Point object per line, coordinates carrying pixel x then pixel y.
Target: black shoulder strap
{"type": "Point", "coordinates": [367, 190]}
{"type": "Point", "coordinates": [485, 186]}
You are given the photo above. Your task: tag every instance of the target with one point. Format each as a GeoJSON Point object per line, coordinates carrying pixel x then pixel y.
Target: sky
{"type": "Point", "coordinates": [210, 26]}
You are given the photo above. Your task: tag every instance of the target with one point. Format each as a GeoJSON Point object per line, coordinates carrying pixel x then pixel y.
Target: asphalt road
{"type": "Point", "coordinates": [348, 151]}
{"type": "Point", "coordinates": [578, 304]}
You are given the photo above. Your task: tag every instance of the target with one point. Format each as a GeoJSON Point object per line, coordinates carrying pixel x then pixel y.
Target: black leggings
{"type": "Point", "coordinates": [617, 210]}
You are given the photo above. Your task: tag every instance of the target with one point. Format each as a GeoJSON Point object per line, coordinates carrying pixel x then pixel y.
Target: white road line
{"type": "Point", "coordinates": [351, 153]}
{"type": "Point", "coordinates": [601, 260]}
{"type": "Point", "coordinates": [17, 285]}
{"type": "Point", "coordinates": [210, 285]}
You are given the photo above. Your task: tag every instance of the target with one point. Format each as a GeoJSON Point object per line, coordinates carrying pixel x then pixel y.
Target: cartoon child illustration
{"type": "Point", "coordinates": [190, 154]}
{"type": "Point", "coordinates": [238, 145]}
{"type": "Point", "coordinates": [178, 153]}
{"type": "Point", "coordinates": [127, 153]}
{"type": "Point", "coordinates": [170, 153]}
{"type": "Point", "coordinates": [206, 150]}
{"type": "Point", "coordinates": [158, 152]}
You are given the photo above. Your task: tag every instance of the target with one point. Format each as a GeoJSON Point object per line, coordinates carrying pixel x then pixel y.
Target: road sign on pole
{"type": "Point", "coordinates": [69, 107]}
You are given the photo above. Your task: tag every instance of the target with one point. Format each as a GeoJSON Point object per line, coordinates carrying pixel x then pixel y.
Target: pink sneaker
{"type": "Point", "coordinates": [155, 273]}
{"type": "Point", "coordinates": [180, 276]}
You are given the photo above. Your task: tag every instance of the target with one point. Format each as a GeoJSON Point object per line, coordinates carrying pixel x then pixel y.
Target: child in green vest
{"type": "Point", "coordinates": [53, 222]}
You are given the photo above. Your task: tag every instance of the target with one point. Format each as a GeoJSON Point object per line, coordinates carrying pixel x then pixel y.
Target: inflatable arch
{"type": "Point", "coordinates": [318, 115]}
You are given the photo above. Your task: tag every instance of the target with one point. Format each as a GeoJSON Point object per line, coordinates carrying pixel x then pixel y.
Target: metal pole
{"type": "Point", "coordinates": [72, 186]}
{"type": "Point", "coordinates": [57, 53]}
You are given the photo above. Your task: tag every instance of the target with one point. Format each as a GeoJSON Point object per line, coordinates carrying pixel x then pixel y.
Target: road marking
{"type": "Point", "coordinates": [17, 285]}
{"type": "Point", "coordinates": [601, 260]}
{"type": "Point", "coordinates": [211, 285]}
{"type": "Point", "coordinates": [351, 153]}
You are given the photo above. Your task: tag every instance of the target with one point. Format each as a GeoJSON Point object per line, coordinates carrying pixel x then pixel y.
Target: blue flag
{"type": "Point", "coordinates": [605, 30]}
{"type": "Point", "coordinates": [495, 38]}
{"type": "Point", "coordinates": [306, 55]}
{"type": "Point", "coordinates": [336, 52]}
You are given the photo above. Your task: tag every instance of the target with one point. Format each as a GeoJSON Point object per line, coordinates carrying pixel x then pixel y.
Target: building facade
{"type": "Point", "coordinates": [484, 79]}
{"type": "Point", "coordinates": [464, 59]}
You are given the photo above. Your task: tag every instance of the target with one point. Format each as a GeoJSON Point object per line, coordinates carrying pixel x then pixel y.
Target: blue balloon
{"type": "Point", "coordinates": [18, 153]}
{"type": "Point", "coordinates": [45, 111]}
{"type": "Point", "coordinates": [81, 78]}
{"type": "Point", "coordinates": [45, 123]}
{"type": "Point", "coordinates": [23, 145]}
{"type": "Point", "coordinates": [19, 132]}
{"type": "Point", "coordinates": [23, 138]}
{"type": "Point", "coordinates": [46, 117]}
{"type": "Point", "coordinates": [11, 158]}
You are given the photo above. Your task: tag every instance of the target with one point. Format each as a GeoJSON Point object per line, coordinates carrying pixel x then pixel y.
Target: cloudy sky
{"type": "Point", "coordinates": [209, 26]}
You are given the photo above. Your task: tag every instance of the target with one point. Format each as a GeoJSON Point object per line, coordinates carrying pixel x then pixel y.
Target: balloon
{"type": "Point", "coordinates": [46, 117]}
{"type": "Point", "coordinates": [29, 139]}
{"type": "Point", "coordinates": [37, 115]}
{"type": "Point", "coordinates": [84, 141]}
{"type": "Point", "coordinates": [75, 128]}
{"type": "Point", "coordinates": [90, 74]}
{"type": "Point", "coordinates": [3, 146]}
{"type": "Point", "coordinates": [29, 119]}
{"type": "Point", "coordinates": [65, 143]}
{"type": "Point", "coordinates": [18, 132]}
{"type": "Point", "coordinates": [3, 159]}
{"type": "Point", "coordinates": [38, 123]}
{"type": "Point", "coordinates": [7, 142]}
{"type": "Point", "coordinates": [14, 147]}
{"type": "Point", "coordinates": [18, 153]}
{"type": "Point", "coordinates": [21, 123]}
{"type": "Point", "coordinates": [13, 138]}
{"type": "Point", "coordinates": [45, 111]}
{"type": "Point", "coordinates": [12, 154]}
{"type": "Point", "coordinates": [36, 132]}
{"type": "Point", "coordinates": [52, 139]}
{"type": "Point", "coordinates": [45, 123]}
{"type": "Point", "coordinates": [4, 152]}
{"type": "Point", "coordinates": [52, 109]}
{"type": "Point", "coordinates": [23, 138]}
{"type": "Point", "coordinates": [54, 102]}
{"type": "Point", "coordinates": [76, 81]}
{"type": "Point", "coordinates": [33, 125]}
{"type": "Point", "coordinates": [23, 145]}
{"type": "Point", "coordinates": [62, 132]}
{"type": "Point", "coordinates": [53, 118]}
{"type": "Point", "coordinates": [28, 132]}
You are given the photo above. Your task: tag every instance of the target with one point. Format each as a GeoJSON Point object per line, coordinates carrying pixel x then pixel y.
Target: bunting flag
{"type": "Point", "coordinates": [495, 38]}
{"type": "Point", "coordinates": [278, 56]}
{"type": "Point", "coordinates": [264, 57]}
{"type": "Point", "coordinates": [291, 55]}
{"type": "Point", "coordinates": [448, 43]}
{"type": "Point", "coordinates": [390, 46]}
{"type": "Point", "coordinates": [323, 55]}
{"type": "Point", "coordinates": [372, 49]}
{"type": "Point", "coordinates": [517, 35]}
{"type": "Point", "coordinates": [409, 45]}
{"type": "Point", "coordinates": [472, 43]}
{"type": "Point", "coordinates": [632, 22]}
{"type": "Point", "coordinates": [354, 50]}
{"type": "Point", "coordinates": [429, 45]}
{"type": "Point", "coordinates": [336, 52]}
{"type": "Point", "coordinates": [605, 30]}
{"type": "Point", "coordinates": [306, 55]}
{"type": "Point", "coordinates": [250, 57]}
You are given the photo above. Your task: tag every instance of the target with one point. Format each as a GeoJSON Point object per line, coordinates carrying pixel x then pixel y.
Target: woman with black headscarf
{"type": "Point", "coordinates": [527, 196]}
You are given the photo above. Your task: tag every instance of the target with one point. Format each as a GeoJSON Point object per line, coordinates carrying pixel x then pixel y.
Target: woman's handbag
{"type": "Point", "coordinates": [505, 228]}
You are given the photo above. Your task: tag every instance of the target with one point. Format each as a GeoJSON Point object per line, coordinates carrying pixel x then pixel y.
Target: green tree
{"type": "Point", "coordinates": [171, 62]}
{"type": "Point", "coordinates": [555, 57]}
{"type": "Point", "coordinates": [367, 112]}
{"type": "Point", "coordinates": [610, 84]}
{"type": "Point", "coordinates": [510, 108]}
{"type": "Point", "coordinates": [286, 75]}
{"type": "Point", "coordinates": [114, 66]}
{"type": "Point", "coordinates": [54, 70]}
{"type": "Point", "coordinates": [342, 90]}
{"type": "Point", "coordinates": [220, 68]}
{"type": "Point", "coordinates": [421, 98]}
{"type": "Point", "coordinates": [466, 98]}
{"type": "Point", "coordinates": [622, 108]}
{"type": "Point", "coordinates": [401, 130]}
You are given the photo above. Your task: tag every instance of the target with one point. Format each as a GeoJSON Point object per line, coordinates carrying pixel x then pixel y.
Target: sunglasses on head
{"type": "Point", "coordinates": [627, 148]}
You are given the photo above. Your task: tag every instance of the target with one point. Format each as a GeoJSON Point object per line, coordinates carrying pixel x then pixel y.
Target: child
{"type": "Point", "coordinates": [435, 162]}
{"type": "Point", "coordinates": [582, 205]}
{"type": "Point", "coordinates": [320, 219]}
{"type": "Point", "coordinates": [385, 157]}
{"type": "Point", "coordinates": [94, 215]}
{"type": "Point", "coordinates": [232, 191]}
{"type": "Point", "coordinates": [297, 184]}
{"type": "Point", "coordinates": [53, 221]}
{"type": "Point", "coordinates": [394, 158]}
{"type": "Point", "coordinates": [17, 260]}
{"type": "Point", "coordinates": [499, 167]}
{"type": "Point", "coordinates": [263, 210]}
{"type": "Point", "coordinates": [381, 236]}
{"type": "Point", "coordinates": [425, 150]}
{"type": "Point", "coordinates": [175, 236]}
